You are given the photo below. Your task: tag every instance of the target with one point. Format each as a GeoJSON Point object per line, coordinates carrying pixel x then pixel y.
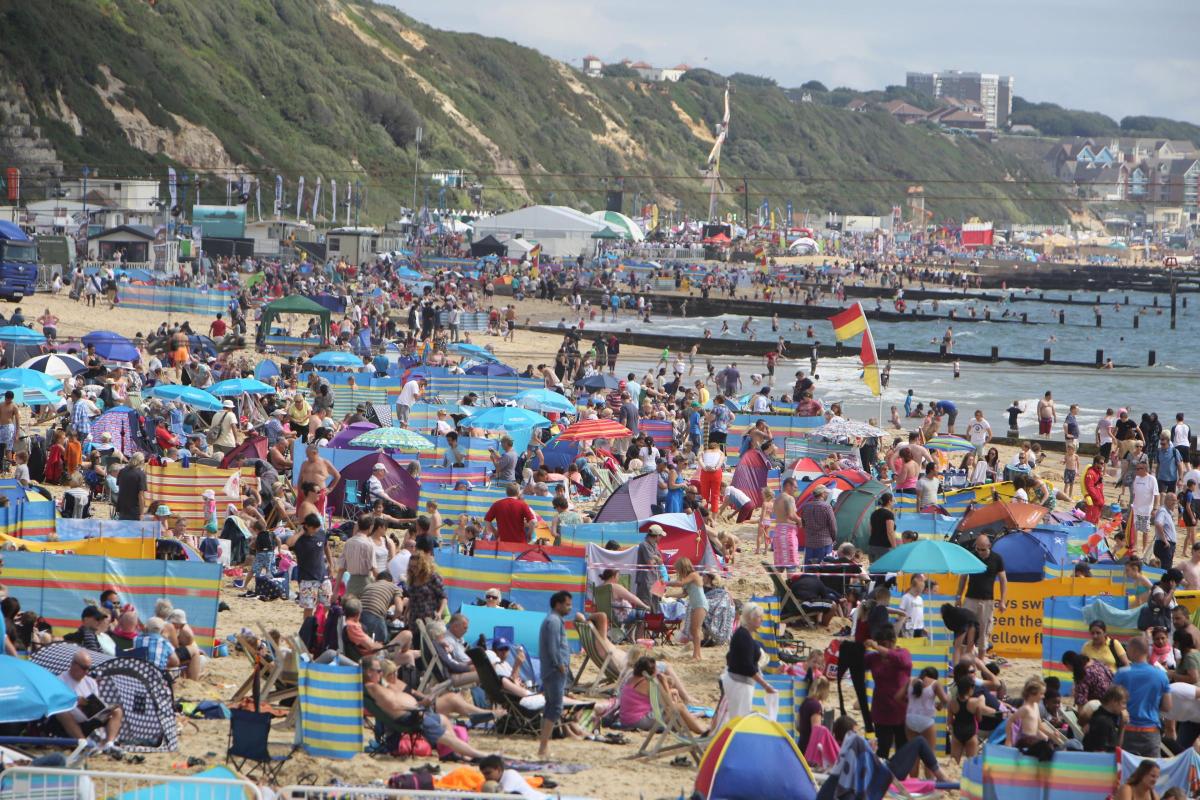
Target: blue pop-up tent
{"type": "Point", "coordinates": [1026, 554]}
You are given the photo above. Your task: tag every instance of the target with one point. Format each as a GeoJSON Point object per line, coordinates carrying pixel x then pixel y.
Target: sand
{"type": "Point", "coordinates": [610, 774]}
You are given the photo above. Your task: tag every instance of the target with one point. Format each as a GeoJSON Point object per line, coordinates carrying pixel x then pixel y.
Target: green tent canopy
{"type": "Point", "coordinates": [853, 512]}
{"type": "Point", "coordinates": [293, 304]}
{"type": "Point", "coordinates": [607, 234]}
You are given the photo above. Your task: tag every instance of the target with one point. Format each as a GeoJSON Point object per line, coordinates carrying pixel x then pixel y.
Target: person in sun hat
{"type": "Point", "coordinates": [650, 562]}
{"type": "Point", "coordinates": [222, 432]}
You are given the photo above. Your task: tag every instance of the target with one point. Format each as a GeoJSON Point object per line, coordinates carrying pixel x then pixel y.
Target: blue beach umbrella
{"type": "Point", "coordinates": [473, 350]}
{"type": "Point", "coordinates": [335, 358]}
{"type": "Point", "coordinates": [508, 418]}
{"type": "Point", "coordinates": [197, 398]}
{"type": "Point", "coordinates": [22, 378]}
{"type": "Point", "coordinates": [31, 692]}
{"type": "Point", "coordinates": [930, 556]}
{"type": "Point", "coordinates": [56, 365]}
{"type": "Point", "coordinates": [492, 369]}
{"type": "Point", "coordinates": [544, 400]}
{"type": "Point", "coordinates": [236, 387]}
{"type": "Point", "coordinates": [111, 346]}
{"type": "Point", "coordinates": [19, 334]}
{"type": "Point", "coordinates": [393, 439]}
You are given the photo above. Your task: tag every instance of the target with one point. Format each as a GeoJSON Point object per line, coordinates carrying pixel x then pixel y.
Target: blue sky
{"type": "Point", "coordinates": [1101, 55]}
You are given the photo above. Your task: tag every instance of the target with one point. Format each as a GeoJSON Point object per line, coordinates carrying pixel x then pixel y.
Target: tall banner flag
{"type": "Point", "coordinates": [258, 196]}
{"type": "Point", "coordinates": [333, 199]}
{"type": "Point", "coordinates": [172, 187]}
{"type": "Point", "coordinates": [349, 197]}
{"type": "Point", "coordinates": [849, 323]}
{"type": "Point", "coordinates": [870, 362]}
{"type": "Point", "coordinates": [300, 199]}
{"type": "Point", "coordinates": [278, 196]}
{"type": "Point", "coordinates": [789, 213]}
{"type": "Point", "coordinates": [229, 190]}
{"type": "Point", "coordinates": [316, 203]}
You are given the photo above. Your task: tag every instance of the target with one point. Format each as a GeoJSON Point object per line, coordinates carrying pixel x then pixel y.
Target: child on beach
{"type": "Point", "coordinates": [435, 516]}
{"type": "Point", "coordinates": [210, 545]}
{"type": "Point", "coordinates": [762, 540]}
{"type": "Point", "coordinates": [912, 608]}
{"type": "Point", "coordinates": [1070, 470]}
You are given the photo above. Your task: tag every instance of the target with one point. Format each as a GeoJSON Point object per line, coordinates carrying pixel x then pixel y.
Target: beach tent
{"type": "Point", "coordinates": [489, 246]}
{"type": "Point", "coordinates": [632, 500]}
{"type": "Point", "coordinates": [835, 482]}
{"type": "Point", "coordinates": [122, 422]}
{"type": "Point", "coordinates": [1027, 554]}
{"type": "Point", "coordinates": [342, 438]}
{"type": "Point", "coordinates": [254, 447]}
{"type": "Point", "coordinates": [293, 304]}
{"type": "Point", "coordinates": [136, 685]}
{"type": "Point", "coordinates": [732, 766]}
{"type": "Point", "coordinates": [558, 455]}
{"type": "Point", "coordinates": [853, 507]}
{"type": "Point", "coordinates": [397, 483]}
{"type": "Point", "coordinates": [998, 517]}
{"type": "Point", "coordinates": [751, 477]}
{"type": "Point", "coordinates": [265, 370]}
{"type": "Point", "coordinates": [804, 469]}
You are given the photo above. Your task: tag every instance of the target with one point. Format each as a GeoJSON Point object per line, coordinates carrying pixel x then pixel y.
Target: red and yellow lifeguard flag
{"type": "Point", "coordinates": [849, 323]}
{"type": "Point", "coordinates": [870, 361]}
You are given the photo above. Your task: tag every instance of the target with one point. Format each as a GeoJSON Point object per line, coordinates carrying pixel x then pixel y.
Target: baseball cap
{"type": "Point", "coordinates": [655, 530]}
{"type": "Point", "coordinates": [501, 643]}
{"type": "Point", "coordinates": [379, 467]}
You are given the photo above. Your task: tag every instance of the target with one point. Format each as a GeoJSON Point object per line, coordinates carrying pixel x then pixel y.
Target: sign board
{"type": "Point", "coordinates": [221, 222]}
{"type": "Point", "coordinates": [1017, 632]}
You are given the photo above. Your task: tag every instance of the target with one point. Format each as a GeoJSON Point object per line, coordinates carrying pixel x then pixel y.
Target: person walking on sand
{"type": "Point", "coordinates": [555, 667]}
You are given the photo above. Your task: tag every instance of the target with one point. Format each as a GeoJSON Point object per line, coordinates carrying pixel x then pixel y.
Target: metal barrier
{"type": "Point", "coordinates": [48, 783]}
{"type": "Point", "coordinates": [374, 792]}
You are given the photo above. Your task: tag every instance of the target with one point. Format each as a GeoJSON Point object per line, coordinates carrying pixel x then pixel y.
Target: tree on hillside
{"type": "Point", "coordinates": [814, 86]}
{"type": "Point", "coordinates": [618, 70]}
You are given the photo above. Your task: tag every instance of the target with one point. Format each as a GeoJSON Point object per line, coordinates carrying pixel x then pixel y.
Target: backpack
{"type": "Point", "coordinates": [1153, 615]}
{"type": "Point", "coordinates": [269, 588]}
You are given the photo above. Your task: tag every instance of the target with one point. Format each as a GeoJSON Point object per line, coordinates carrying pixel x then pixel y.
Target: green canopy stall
{"type": "Point", "coordinates": [293, 304]}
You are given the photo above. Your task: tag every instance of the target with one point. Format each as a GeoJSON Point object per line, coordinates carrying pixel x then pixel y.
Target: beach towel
{"type": "Point", "coordinates": [330, 710]}
{"type": "Point", "coordinates": [823, 750]}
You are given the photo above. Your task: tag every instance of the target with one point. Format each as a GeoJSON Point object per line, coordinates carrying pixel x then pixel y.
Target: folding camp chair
{"type": "Point", "coordinates": [790, 607]}
{"type": "Point", "coordinates": [607, 673]}
{"type": "Point", "coordinates": [517, 719]}
{"type": "Point", "coordinates": [658, 628]}
{"type": "Point", "coordinates": [670, 734]}
{"type": "Point", "coordinates": [351, 507]}
{"type": "Point", "coordinates": [249, 732]}
{"type": "Point", "coordinates": [437, 677]}
{"type": "Point", "coordinates": [618, 632]}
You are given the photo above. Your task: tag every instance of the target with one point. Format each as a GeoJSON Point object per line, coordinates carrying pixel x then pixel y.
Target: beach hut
{"type": "Point", "coordinates": [397, 483]}
{"type": "Point", "coordinates": [732, 766]}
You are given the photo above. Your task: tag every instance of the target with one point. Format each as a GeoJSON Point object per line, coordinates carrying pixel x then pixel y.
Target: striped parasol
{"type": "Point", "coordinates": [394, 439]}
{"type": "Point", "coordinates": [950, 444]}
{"type": "Point", "coordinates": [590, 429]}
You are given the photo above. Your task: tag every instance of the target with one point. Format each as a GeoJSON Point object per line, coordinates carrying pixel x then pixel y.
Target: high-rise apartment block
{"type": "Point", "coordinates": [994, 93]}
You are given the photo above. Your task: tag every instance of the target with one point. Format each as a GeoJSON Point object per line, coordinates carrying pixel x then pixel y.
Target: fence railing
{"type": "Point", "coordinates": [50, 783]}
{"type": "Point", "coordinates": [374, 793]}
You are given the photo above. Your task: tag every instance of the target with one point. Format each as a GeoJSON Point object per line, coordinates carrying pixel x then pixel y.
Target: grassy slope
{"type": "Point", "coordinates": [284, 84]}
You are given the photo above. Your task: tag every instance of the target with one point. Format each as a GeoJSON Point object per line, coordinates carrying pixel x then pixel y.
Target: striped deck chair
{"type": "Point", "coordinates": [670, 733]}
{"type": "Point", "coordinates": [331, 710]}
{"type": "Point", "coordinates": [607, 673]}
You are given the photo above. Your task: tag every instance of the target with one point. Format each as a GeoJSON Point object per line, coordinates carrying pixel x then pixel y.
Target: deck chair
{"type": "Point", "coordinates": [790, 607]}
{"type": "Point", "coordinates": [618, 632]}
{"type": "Point", "coordinates": [385, 727]}
{"type": "Point", "coordinates": [607, 673]}
{"type": "Point", "coordinates": [670, 734]}
{"type": "Point", "coordinates": [437, 677]}
{"type": "Point", "coordinates": [279, 680]}
{"type": "Point", "coordinates": [517, 719]}
{"type": "Point", "coordinates": [249, 732]}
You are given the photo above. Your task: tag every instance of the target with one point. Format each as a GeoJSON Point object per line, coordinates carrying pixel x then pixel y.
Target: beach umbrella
{"type": "Point", "coordinates": [472, 350]}
{"type": "Point", "coordinates": [598, 381]}
{"type": "Point", "coordinates": [950, 444]}
{"type": "Point", "coordinates": [590, 429]}
{"type": "Point", "coordinates": [198, 398]}
{"type": "Point", "coordinates": [996, 517]}
{"type": "Point", "coordinates": [544, 400]}
{"type": "Point", "coordinates": [492, 369]}
{"type": "Point", "coordinates": [56, 365]}
{"type": "Point", "coordinates": [236, 387]}
{"type": "Point", "coordinates": [31, 396]}
{"type": "Point", "coordinates": [506, 418]}
{"type": "Point", "coordinates": [929, 556]}
{"type": "Point", "coordinates": [111, 346]}
{"type": "Point", "coordinates": [847, 429]}
{"type": "Point", "coordinates": [335, 358]}
{"type": "Point", "coordinates": [406, 274]}
{"type": "Point", "coordinates": [31, 692]}
{"type": "Point", "coordinates": [22, 378]}
{"type": "Point", "coordinates": [393, 439]}
{"type": "Point", "coordinates": [19, 334]}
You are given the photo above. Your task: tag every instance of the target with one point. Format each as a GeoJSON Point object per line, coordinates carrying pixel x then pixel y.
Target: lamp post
{"type": "Point", "coordinates": [86, 227]}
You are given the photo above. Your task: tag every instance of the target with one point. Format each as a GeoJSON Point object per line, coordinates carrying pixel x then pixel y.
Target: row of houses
{"type": "Point", "coordinates": [1161, 171]}
{"type": "Point", "coordinates": [952, 112]}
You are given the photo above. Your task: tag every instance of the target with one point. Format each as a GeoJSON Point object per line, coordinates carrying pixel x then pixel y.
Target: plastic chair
{"type": "Point", "coordinates": [351, 507]}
